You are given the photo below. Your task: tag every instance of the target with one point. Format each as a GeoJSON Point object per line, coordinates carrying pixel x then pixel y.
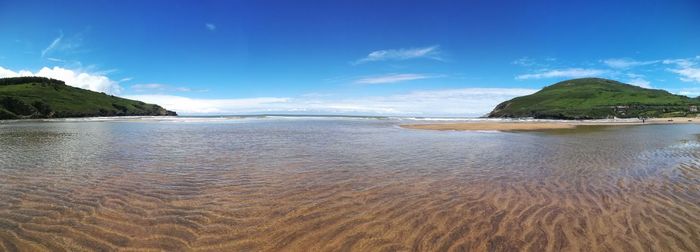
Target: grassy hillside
{"type": "Point", "coordinates": [594, 98]}
{"type": "Point", "coordinates": [37, 97]}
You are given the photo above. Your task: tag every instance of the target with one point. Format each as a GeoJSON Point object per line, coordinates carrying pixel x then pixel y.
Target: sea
{"type": "Point", "coordinates": [344, 183]}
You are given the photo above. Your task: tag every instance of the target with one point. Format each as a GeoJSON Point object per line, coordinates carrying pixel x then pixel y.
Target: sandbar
{"type": "Point", "coordinates": [529, 125]}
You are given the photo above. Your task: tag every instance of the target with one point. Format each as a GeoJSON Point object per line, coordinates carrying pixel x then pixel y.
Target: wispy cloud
{"type": "Point", "coordinates": [150, 86]}
{"type": "Point", "coordinates": [73, 77]}
{"type": "Point", "coordinates": [532, 62]}
{"type": "Point", "coordinates": [210, 26]}
{"type": "Point", "coordinates": [679, 62]}
{"type": "Point", "coordinates": [690, 92]}
{"type": "Point", "coordinates": [55, 60]}
{"type": "Point", "coordinates": [686, 68]}
{"type": "Point", "coordinates": [445, 102]}
{"type": "Point", "coordinates": [53, 45]}
{"type": "Point", "coordinates": [689, 74]}
{"type": "Point", "coordinates": [158, 87]}
{"type": "Point", "coordinates": [431, 52]}
{"type": "Point", "coordinates": [65, 44]}
{"type": "Point", "coordinates": [640, 82]}
{"type": "Point", "coordinates": [635, 79]}
{"type": "Point", "coordinates": [524, 61]}
{"type": "Point", "coordinates": [563, 73]}
{"type": "Point", "coordinates": [393, 78]}
{"type": "Point", "coordinates": [623, 63]}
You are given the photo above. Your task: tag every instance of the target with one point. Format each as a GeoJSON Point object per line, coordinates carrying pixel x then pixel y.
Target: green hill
{"type": "Point", "coordinates": [38, 97]}
{"type": "Point", "coordinates": [594, 98]}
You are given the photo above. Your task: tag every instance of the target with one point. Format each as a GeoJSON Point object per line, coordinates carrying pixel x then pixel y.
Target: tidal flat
{"type": "Point", "coordinates": [345, 184]}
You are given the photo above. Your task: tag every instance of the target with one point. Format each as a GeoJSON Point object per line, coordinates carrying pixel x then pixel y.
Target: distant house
{"type": "Point", "coordinates": [620, 109]}
{"type": "Point", "coordinates": [693, 108]}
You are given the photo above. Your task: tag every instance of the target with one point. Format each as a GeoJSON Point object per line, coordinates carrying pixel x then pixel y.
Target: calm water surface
{"type": "Point", "coordinates": [335, 184]}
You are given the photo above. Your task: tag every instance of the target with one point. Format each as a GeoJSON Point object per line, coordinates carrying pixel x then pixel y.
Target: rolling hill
{"type": "Point", "coordinates": [595, 98]}
{"type": "Point", "coordinates": [38, 97]}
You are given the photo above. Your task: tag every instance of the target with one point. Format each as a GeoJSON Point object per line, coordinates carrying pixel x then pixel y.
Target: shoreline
{"type": "Point", "coordinates": [543, 125]}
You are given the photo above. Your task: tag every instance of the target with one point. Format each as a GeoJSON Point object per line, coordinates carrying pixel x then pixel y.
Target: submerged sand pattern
{"type": "Point", "coordinates": [346, 185]}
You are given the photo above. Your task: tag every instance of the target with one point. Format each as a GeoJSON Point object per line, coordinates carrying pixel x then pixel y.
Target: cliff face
{"type": "Point", "coordinates": [38, 97]}
{"type": "Point", "coordinates": [595, 98]}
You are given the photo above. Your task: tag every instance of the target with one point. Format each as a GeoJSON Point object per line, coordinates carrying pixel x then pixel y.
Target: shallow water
{"type": "Point", "coordinates": [334, 184]}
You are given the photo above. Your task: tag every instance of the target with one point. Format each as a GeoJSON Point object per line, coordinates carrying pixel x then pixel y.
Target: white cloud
{"type": "Point", "coordinates": [431, 52]}
{"type": "Point", "coordinates": [532, 62]}
{"type": "Point", "coordinates": [185, 105]}
{"type": "Point", "coordinates": [563, 73]}
{"type": "Point", "coordinates": [157, 87]}
{"type": "Point", "coordinates": [91, 81]}
{"type": "Point", "coordinates": [450, 102]}
{"type": "Point", "coordinates": [55, 60]}
{"type": "Point", "coordinates": [393, 78]}
{"type": "Point", "coordinates": [524, 61]}
{"type": "Point", "coordinates": [627, 63]}
{"type": "Point", "coordinates": [52, 46]}
{"type": "Point", "coordinates": [690, 92]}
{"type": "Point", "coordinates": [637, 80]}
{"type": "Point", "coordinates": [640, 82]}
{"type": "Point", "coordinates": [149, 86]}
{"type": "Point", "coordinates": [689, 74]}
{"type": "Point", "coordinates": [210, 26]}
{"type": "Point", "coordinates": [678, 62]}
{"type": "Point", "coordinates": [686, 68]}
{"type": "Point", "coordinates": [64, 44]}
{"type": "Point", "coordinates": [4, 73]}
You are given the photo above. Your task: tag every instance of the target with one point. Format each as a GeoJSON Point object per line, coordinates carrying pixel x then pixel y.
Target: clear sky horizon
{"type": "Point", "coordinates": [414, 58]}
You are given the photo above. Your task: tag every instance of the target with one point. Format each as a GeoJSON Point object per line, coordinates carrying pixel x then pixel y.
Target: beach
{"type": "Point", "coordinates": [344, 184]}
{"type": "Point", "coordinates": [530, 125]}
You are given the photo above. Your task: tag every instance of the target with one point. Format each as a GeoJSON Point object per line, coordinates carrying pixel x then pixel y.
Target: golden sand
{"type": "Point", "coordinates": [260, 203]}
{"type": "Point", "coordinates": [510, 126]}
{"type": "Point", "coordinates": [418, 214]}
{"type": "Point", "coordinates": [545, 125]}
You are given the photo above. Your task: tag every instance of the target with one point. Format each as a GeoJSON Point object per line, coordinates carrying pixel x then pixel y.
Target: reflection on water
{"type": "Point", "coordinates": [345, 184]}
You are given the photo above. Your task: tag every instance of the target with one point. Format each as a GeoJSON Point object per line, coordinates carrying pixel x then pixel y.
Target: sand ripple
{"type": "Point", "coordinates": [351, 188]}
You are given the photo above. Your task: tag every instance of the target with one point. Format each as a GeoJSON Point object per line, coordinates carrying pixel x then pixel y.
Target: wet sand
{"type": "Point", "coordinates": [542, 125]}
{"type": "Point", "coordinates": [500, 126]}
{"type": "Point", "coordinates": [268, 213]}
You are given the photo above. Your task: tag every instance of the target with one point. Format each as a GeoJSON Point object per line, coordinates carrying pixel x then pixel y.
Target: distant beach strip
{"type": "Point", "coordinates": [543, 125]}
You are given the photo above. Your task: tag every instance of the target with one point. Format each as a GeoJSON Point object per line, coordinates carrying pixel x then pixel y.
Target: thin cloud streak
{"type": "Point", "coordinates": [148, 86]}
{"type": "Point", "coordinates": [563, 73]}
{"type": "Point", "coordinates": [687, 69]}
{"type": "Point", "coordinates": [52, 46]}
{"type": "Point", "coordinates": [393, 78]}
{"type": "Point", "coordinates": [431, 52]}
{"type": "Point", "coordinates": [624, 63]}
{"type": "Point", "coordinates": [158, 87]}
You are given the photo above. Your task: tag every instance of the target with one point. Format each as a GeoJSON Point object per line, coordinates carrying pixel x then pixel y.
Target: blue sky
{"type": "Point", "coordinates": [447, 58]}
